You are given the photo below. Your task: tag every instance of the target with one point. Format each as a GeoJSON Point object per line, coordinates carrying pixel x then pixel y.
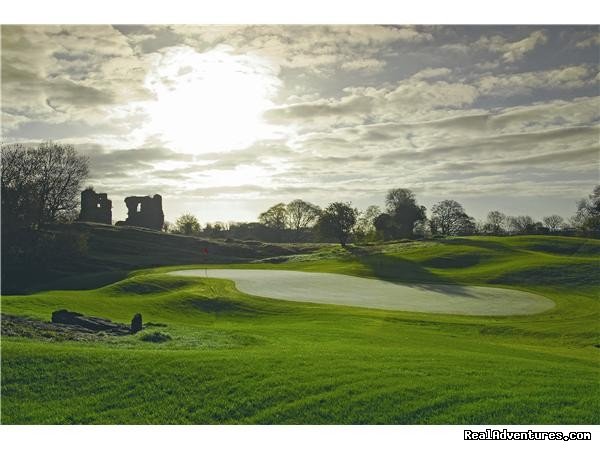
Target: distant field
{"type": "Point", "coordinates": [235, 358]}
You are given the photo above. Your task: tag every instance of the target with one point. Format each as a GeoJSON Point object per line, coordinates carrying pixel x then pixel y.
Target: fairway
{"type": "Point", "coordinates": [335, 289]}
{"type": "Point", "coordinates": [343, 352]}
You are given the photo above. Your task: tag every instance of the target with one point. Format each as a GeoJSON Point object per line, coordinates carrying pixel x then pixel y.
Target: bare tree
{"type": "Point", "coordinates": [301, 214]}
{"type": "Point", "coordinates": [275, 217]}
{"type": "Point", "coordinates": [554, 222]}
{"type": "Point", "coordinates": [41, 184]}
{"type": "Point", "coordinates": [449, 218]}
{"type": "Point", "coordinates": [495, 222]}
{"type": "Point", "coordinates": [520, 224]}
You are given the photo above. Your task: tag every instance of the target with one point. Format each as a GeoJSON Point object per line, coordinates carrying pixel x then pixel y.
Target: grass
{"type": "Point", "coordinates": [234, 358]}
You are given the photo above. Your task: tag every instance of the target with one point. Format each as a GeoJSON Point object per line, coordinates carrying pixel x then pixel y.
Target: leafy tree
{"type": "Point", "coordinates": [187, 224]}
{"type": "Point", "coordinates": [421, 228]}
{"type": "Point", "coordinates": [402, 207]}
{"type": "Point", "coordinates": [553, 222]}
{"type": "Point", "coordinates": [337, 221]}
{"type": "Point", "coordinates": [384, 224]}
{"type": "Point", "coordinates": [40, 184]}
{"type": "Point", "coordinates": [301, 215]}
{"type": "Point", "coordinates": [587, 218]}
{"type": "Point", "coordinates": [495, 222]}
{"type": "Point", "coordinates": [448, 217]}
{"type": "Point", "coordinates": [365, 223]}
{"type": "Point", "coordinates": [276, 217]}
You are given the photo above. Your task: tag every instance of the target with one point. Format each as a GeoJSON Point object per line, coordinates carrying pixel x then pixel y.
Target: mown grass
{"type": "Point", "coordinates": [234, 358]}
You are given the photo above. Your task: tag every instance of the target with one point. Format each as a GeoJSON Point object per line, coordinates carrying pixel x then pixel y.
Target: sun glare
{"type": "Point", "coordinates": [212, 101]}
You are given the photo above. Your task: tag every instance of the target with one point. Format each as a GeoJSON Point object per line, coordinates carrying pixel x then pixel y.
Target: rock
{"type": "Point", "coordinates": [136, 323]}
{"type": "Point", "coordinates": [64, 316]}
{"type": "Point", "coordinates": [90, 323]}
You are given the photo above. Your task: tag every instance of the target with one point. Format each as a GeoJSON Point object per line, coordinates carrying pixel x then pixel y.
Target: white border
{"type": "Point", "coordinates": [286, 12]}
{"type": "Point", "coordinates": [301, 11]}
{"type": "Point", "coordinates": [277, 437]}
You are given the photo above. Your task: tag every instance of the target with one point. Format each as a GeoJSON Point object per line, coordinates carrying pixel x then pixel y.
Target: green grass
{"type": "Point", "coordinates": [234, 358]}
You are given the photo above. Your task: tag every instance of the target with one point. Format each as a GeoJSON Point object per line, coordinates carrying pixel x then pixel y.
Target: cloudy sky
{"type": "Point", "coordinates": [224, 121]}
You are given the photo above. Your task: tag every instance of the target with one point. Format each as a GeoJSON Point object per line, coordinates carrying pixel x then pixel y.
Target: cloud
{"type": "Point", "coordinates": [445, 110]}
{"type": "Point", "coordinates": [512, 51]}
{"type": "Point", "coordinates": [129, 160]}
{"type": "Point", "coordinates": [567, 77]}
{"type": "Point", "coordinates": [408, 98]}
{"type": "Point", "coordinates": [348, 105]}
{"type": "Point", "coordinates": [67, 73]}
{"type": "Point", "coordinates": [366, 64]}
{"type": "Point", "coordinates": [589, 42]}
{"type": "Point", "coordinates": [312, 47]}
{"type": "Point", "coordinates": [428, 73]}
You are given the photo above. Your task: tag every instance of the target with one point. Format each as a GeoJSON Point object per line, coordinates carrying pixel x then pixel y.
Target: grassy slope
{"type": "Point", "coordinates": [239, 359]}
{"type": "Point", "coordinates": [114, 251]}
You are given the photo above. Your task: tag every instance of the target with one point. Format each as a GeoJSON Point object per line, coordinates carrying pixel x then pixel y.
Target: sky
{"type": "Point", "coordinates": [225, 121]}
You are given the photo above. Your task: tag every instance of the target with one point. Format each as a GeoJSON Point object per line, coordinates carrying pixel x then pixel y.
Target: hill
{"type": "Point", "coordinates": [211, 354]}
{"type": "Point", "coordinates": [106, 253]}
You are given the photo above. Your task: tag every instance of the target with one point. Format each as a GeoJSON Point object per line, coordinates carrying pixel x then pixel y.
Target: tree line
{"type": "Point", "coordinates": [402, 218]}
{"type": "Point", "coordinates": [41, 186]}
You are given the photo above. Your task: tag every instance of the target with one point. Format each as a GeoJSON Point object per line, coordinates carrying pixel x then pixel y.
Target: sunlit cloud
{"type": "Point", "coordinates": [211, 101]}
{"type": "Point", "coordinates": [224, 121]}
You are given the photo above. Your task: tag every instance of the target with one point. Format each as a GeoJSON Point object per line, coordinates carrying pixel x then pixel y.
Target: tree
{"type": "Point", "coordinates": [275, 217]}
{"type": "Point", "coordinates": [495, 223]}
{"type": "Point", "coordinates": [448, 217]}
{"type": "Point", "coordinates": [553, 222]}
{"type": "Point", "coordinates": [384, 224]}
{"type": "Point", "coordinates": [520, 224]}
{"type": "Point", "coordinates": [337, 221]}
{"type": "Point", "coordinates": [365, 223]}
{"type": "Point", "coordinates": [587, 218]}
{"type": "Point", "coordinates": [402, 207]}
{"type": "Point", "coordinates": [187, 224]}
{"type": "Point", "coordinates": [301, 215]}
{"type": "Point", "coordinates": [40, 184]}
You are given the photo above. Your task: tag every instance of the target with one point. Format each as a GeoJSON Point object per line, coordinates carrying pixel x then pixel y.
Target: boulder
{"type": "Point", "coordinates": [63, 316]}
{"type": "Point", "coordinates": [136, 323]}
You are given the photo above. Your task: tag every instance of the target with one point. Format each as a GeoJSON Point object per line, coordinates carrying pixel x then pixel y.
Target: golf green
{"type": "Point", "coordinates": [348, 290]}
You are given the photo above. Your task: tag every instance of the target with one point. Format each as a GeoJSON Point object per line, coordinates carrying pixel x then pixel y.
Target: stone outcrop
{"type": "Point", "coordinates": [136, 323]}
{"type": "Point", "coordinates": [94, 324]}
{"type": "Point", "coordinates": [95, 207]}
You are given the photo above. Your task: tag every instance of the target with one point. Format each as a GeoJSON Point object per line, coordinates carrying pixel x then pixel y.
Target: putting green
{"type": "Point", "coordinates": [370, 293]}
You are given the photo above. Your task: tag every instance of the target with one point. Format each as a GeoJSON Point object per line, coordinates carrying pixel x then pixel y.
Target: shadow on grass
{"type": "Point", "coordinates": [399, 270]}
{"type": "Point", "coordinates": [456, 261]}
{"type": "Point", "coordinates": [572, 276]}
{"type": "Point", "coordinates": [488, 245]}
{"type": "Point", "coordinates": [81, 282]}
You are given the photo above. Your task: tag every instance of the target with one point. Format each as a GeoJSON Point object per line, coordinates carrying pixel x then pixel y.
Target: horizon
{"type": "Point", "coordinates": [225, 121]}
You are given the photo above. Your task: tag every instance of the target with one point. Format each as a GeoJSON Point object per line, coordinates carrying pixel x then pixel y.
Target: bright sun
{"type": "Point", "coordinates": [212, 101]}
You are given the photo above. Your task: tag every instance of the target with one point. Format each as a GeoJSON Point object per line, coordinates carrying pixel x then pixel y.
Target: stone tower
{"type": "Point", "coordinates": [95, 207]}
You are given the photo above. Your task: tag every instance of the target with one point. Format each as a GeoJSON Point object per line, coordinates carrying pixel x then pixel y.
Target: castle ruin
{"type": "Point", "coordinates": [95, 207]}
{"type": "Point", "coordinates": [145, 212]}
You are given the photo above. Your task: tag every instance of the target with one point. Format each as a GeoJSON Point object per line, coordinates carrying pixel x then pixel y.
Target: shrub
{"type": "Point", "coordinates": [156, 336]}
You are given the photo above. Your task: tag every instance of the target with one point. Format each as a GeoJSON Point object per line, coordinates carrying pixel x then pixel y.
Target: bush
{"type": "Point", "coordinates": [156, 336]}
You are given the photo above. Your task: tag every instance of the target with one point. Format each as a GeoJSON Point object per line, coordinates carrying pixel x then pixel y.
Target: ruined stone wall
{"type": "Point", "coordinates": [95, 207]}
{"type": "Point", "coordinates": [145, 212]}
